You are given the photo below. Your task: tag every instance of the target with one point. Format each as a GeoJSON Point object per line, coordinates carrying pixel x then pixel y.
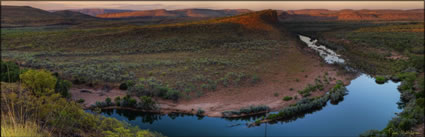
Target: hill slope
{"type": "Point", "coordinates": [94, 12]}
{"type": "Point", "coordinates": [175, 13]}
{"type": "Point", "coordinates": [353, 15]}
{"type": "Point", "coordinates": [236, 61]}
{"type": "Point", "coordinates": [17, 16]}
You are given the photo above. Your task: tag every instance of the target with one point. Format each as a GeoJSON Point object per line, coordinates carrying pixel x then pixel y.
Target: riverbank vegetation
{"type": "Point", "coordinates": [246, 111]}
{"type": "Point", "coordinates": [306, 105]}
{"type": "Point", "coordinates": [32, 107]}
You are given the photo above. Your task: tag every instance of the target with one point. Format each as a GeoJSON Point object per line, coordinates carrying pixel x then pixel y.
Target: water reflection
{"type": "Point", "coordinates": [327, 54]}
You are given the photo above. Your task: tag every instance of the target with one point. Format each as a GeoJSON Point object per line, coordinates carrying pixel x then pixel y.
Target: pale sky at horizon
{"type": "Point", "coordinates": [253, 5]}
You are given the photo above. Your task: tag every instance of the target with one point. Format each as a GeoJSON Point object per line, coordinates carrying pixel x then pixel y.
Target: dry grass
{"type": "Point", "coordinates": [14, 122]}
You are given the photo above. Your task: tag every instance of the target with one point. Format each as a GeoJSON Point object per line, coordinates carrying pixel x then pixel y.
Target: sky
{"type": "Point", "coordinates": [252, 5]}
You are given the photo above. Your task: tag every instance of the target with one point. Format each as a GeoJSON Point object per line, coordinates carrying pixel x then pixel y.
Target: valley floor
{"type": "Point", "coordinates": [288, 72]}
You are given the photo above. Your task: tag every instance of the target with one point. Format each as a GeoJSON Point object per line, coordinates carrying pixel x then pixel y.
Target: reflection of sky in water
{"type": "Point", "coordinates": [327, 54]}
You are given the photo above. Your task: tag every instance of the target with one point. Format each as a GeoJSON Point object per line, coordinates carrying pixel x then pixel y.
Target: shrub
{"type": "Point", "coordinates": [117, 101]}
{"type": "Point", "coordinates": [200, 112]}
{"type": "Point", "coordinates": [276, 94]}
{"type": "Point", "coordinates": [126, 85]}
{"type": "Point", "coordinates": [80, 100]}
{"type": "Point", "coordinates": [62, 87]}
{"type": "Point", "coordinates": [287, 98]}
{"type": "Point", "coordinates": [123, 86]}
{"type": "Point", "coordinates": [132, 102]}
{"type": "Point", "coordinates": [380, 79]}
{"type": "Point", "coordinates": [255, 79]}
{"type": "Point", "coordinates": [172, 94]}
{"type": "Point", "coordinates": [146, 103]}
{"type": "Point", "coordinates": [108, 101]}
{"type": "Point", "coordinates": [10, 71]}
{"type": "Point", "coordinates": [39, 82]}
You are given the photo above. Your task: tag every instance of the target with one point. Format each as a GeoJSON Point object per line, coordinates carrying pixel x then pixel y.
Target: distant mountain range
{"type": "Point", "coordinates": [352, 15]}
{"type": "Point", "coordinates": [175, 13]}
{"type": "Point", "coordinates": [96, 11]}
{"type": "Point", "coordinates": [29, 16]}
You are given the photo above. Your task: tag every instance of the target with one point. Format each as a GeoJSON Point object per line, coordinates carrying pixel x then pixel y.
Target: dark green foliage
{"type": "Point", "coordinates": [338, 92]}
{"type": "Point", "coordinates": [200, 112]}
{"type": "Point", "coordinates": [10, 71]}
{"type": "Point", "coordinates": [300, 107]}
{"type": "Point", "coordinates": [62, 87]}
{"type": "Point", "coordinates": [127, 84]}
{"type": "Point", "coordinates": [117, 101]}
{"type": "Point", "coordinates": [62, 117]}
{"type": "Point", "coordinates": [380, 79]}
{"type": "Point", "coordinates": [172, 94]}
{"type": "Point", "coordinates": [287, 98]}
{"type": "Point", "coordinates": [123, 86]}
{"type": "Point", "coordinates": [127, 101]}
{"type": "Point", "coordinates": [255, 79]}
{"type": "Point", "coordinates": [146, 103]}
{"type": "Point", "coordinates": [108, 101]}
{"type": "Point", "coordinates": [152, 87]}
{"type": "Point", "coordinates": [309, 104]}
{"type": "Point", "coordinates": [80, 100]}
{"type": "Point", "coordinates": [247, 110]}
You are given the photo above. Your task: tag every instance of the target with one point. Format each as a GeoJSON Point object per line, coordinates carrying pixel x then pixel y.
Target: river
{"type": "Point", "coordinates": [368, 105]}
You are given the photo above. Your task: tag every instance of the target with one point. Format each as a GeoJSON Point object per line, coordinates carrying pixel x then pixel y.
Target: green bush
{"type": "Point", "coordinates": [80, 100]}
{"type": "Point", "coordinates": [62, 87]}
{"type": "Point", "coordinates": [62, 117]}
{"type": "Point", "coordinates": [287, 98]}
{"type": "Point", "coordinates": [200, 112]}
{"type": "Point", "coordinates": [39, 82]}
{"type": "Point", "coordinates": [246, 110]}
{"type": "Point", "coordinates": [173, 94]}
{"type": "Point", "coordinates": [380, 79]}
{"type": "Point", "coordinates": [146, 102]}
{"type": "Point", "coordinates": [255, 79]}
{"type": "Point", "coordinates": [108, 101]}
{"type": "Point", "coordinates": [123, 86]}
{"type": "Point", "coordinates": [117, 101]}
{"type": "Point", "coordinates": [10, 71]}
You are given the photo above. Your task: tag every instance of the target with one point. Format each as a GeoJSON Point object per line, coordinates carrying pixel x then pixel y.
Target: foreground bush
{"type": "Point", "coordinates": [54, 113]}
{"type": "Point", "coordinates": [39, 82]}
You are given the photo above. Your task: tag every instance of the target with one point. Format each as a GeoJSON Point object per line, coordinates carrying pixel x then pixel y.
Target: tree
{"type": "Point", "coordinates": [62, 87]}
{"type": "Point", "coordinates": [108, 101]}
{"type": "Point", "coordinates": [9, 71]}
{"type": "Point", "coordinates": [39, 82]}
